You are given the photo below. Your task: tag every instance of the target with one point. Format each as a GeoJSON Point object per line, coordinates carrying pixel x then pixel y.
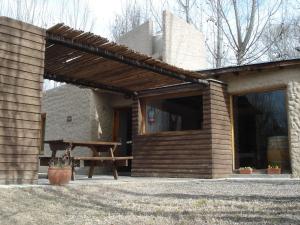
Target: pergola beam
{"type": "Point", "coordinates": [60, 78]}
{"type": "Point", "coordinates": [59, 40]}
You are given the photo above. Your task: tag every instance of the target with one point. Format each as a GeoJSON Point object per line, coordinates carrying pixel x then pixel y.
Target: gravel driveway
{"type": "Point", "coordinates": [153, 201]}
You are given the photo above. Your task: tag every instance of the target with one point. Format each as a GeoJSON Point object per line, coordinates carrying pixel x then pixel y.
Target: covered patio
{"type": "Point", "coordinates": [67, 55]}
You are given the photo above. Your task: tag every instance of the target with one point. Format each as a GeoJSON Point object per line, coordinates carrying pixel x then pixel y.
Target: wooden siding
{"type": "Point", "coordinates": [220, 127]}
{"type": "Point", "coordinates": [204, 153]}
{"type": "Point", "coordinates": [22, 48]}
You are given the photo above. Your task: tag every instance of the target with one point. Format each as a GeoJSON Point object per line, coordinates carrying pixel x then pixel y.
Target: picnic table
{"type": "Point", "coordinates": [97, 147]}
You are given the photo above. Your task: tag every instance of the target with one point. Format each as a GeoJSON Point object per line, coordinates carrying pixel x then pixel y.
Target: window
{"type": "Point", "coordinates": [262, 129]}
{"type": "Point", "coordinates": [174, 114]}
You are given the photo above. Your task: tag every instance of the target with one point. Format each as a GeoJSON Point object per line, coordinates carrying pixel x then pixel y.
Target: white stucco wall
{"type": "Point", "coordinates": [183, 44]}
{"type": "Point", "coordinates": [179, 43]}
{"type": "Point", "coordinates": [139, 39]}
{"type": "Point", "coordinates": [260, 80]}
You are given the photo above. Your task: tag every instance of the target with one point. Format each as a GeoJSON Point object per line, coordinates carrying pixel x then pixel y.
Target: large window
{"type": "Point", "coordinates": [174, 114]}
{"type": "Point", "coordinates": [261, 129]}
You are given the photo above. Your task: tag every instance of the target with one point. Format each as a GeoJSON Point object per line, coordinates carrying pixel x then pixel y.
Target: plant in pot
{"type": "Point", "coordinates": [60, 170]}
{"type": "Point", "coordinates": [245, 170]}
{"type": "Point", "coordinates": [274, 168]}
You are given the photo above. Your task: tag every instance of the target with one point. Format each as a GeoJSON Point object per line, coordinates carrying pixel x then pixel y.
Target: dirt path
{"type": "Point", "coordinates": [154, 202]}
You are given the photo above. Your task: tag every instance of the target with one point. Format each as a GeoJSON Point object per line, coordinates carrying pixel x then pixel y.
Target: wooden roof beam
{"type": "Point", "coordinates": [60, 78]}
{"type": "Point", "coordinates": [60, 40]}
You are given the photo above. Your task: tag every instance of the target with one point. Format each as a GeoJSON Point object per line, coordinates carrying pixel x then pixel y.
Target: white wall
{"type": "Point", "coordinates": [183, 44]}
{"type": "Point", "coordinates": [179, 43]}
{"type": "Point", "coordinates": [139, 39]}
{"type": "Point", "coordinates": [260, 80]}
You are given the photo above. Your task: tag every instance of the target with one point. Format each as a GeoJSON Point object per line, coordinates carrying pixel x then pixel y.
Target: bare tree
{"type": "Point", "coordinates": [244, 26]}
{"type": "Point", "coordinates": [186, 6]}
{"type": "Point", "coordinates": [284, 36]}
{"type": "Point", "coordinates": [214, 42]}
{"type": "Point", "coordinates": [127, 20]}
{"type": "Point", "coordinates": [76, 13]}
{"type": "Point", "coordinates": [41, 13]}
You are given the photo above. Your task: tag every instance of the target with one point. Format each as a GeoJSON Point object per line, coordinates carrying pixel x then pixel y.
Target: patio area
{"type": "Point", "coordinates": [129, 200]}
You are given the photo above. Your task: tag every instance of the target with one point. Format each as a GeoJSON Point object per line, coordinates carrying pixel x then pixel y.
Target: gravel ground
{"type": "Point", "coordinates": [153, 201]}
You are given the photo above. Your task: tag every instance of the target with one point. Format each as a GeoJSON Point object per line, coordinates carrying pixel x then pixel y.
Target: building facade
{"type": "Point", "coordinates": [175, 123]}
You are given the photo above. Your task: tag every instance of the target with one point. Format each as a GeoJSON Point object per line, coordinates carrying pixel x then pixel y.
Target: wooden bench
{"type": "Point", "coordinates": [96, 147]}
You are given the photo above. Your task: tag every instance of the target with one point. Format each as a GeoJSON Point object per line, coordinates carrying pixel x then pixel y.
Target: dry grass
{"type": "Point", "coordinates": [154, 202]}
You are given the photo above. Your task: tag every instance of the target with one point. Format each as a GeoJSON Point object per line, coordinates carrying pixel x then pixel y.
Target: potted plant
{"type": "Point", "coordinates": [60, 170]}
{"type": "Point", "coordinates": [245, 170]}
{"type": "Point", "coordinates": [274, 168]}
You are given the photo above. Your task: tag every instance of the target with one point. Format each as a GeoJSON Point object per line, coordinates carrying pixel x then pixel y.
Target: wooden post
{"type": "Point", "coordinates": [232, 131]}
{"type": "Point", "coordinates": [93, 163]}
{"type": "Point", "coordinates": [114, 169]}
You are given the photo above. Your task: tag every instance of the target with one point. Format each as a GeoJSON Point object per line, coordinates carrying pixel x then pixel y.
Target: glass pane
{"type": "Point", "coordinates": [261, 120]}
{"type": "Point", "coordinates": [174, 114]}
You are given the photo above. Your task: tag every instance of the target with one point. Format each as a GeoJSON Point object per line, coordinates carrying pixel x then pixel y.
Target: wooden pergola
{"type": "Point", "coordinates": [83, 58]}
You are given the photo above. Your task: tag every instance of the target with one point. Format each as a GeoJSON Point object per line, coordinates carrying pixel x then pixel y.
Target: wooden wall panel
{"type": "Point", "coordinates": [22, 48]}
{"type": "Point", "coordinates": [172, 154]}
{"type": "Point", "coordinates": [221, 130]}
{"type": "Point", "coordinates": [202, 153]}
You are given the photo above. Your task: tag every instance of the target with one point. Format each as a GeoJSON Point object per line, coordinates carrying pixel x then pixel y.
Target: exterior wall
{"type": "Point", "coordinates": [101, 117]}
{"type": "Point", "coordinates": [204, 153]}
{"type": "Point", "coordinates": [220, 127]}
{"type": "Point", "coordinates": [260, 81]}
{"type": "Point", "coordinates": [287, 78]}
{"type": "Point", "coordinates": [183, 44]}
{"type": "Point", "coordinates": [293, 93]}
{"type": "Point", "coordinates": [64, 101]}
{"type": "Point", "coordinates": [179, 43]}
{"type": "Point", "coordinates": [139, 39]}
{"type": "Point", "coordinates": [92, 114]}
{"type": "Point", "coordinates": [22, 49]}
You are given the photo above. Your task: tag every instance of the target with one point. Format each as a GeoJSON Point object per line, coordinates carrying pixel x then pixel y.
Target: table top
{"type": "Point", "coordinates": [83, 143]}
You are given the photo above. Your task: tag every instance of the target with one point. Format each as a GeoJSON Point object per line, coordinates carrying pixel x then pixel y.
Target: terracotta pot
{"type": "Point", "coordinates": [245, 171]}
{"type": "Point", "coordinates": [59, 176]}
{"type": "Point", "coordinates": [274, 170]}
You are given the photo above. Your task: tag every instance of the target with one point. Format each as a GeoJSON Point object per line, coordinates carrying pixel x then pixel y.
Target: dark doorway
{"type": "Point", "coordinates": [122, 132]}
{"type": "Point", "coordinates": [261, 131]}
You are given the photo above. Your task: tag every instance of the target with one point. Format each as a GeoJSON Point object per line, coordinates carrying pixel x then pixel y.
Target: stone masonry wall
{"type": "Point", "coordinates": [61, 103]}
{"type": "Point", "coordinates": [293, 95]}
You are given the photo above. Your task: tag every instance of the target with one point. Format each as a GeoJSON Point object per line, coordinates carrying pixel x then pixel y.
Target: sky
{"type": "Point", "coordinates": [104, 12]}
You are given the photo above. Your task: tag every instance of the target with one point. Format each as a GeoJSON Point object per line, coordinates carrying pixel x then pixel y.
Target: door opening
{"type": "Point", "coordinates": [122, 132]}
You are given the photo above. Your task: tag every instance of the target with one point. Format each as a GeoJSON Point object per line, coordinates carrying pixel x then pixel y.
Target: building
{"type": "Point", "coordinates": [179, 44]}
{"type": "Point", "coordinates": [182, 123]}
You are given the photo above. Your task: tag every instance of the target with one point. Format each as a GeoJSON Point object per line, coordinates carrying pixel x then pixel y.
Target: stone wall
{"type": "Point", "coordinates": [91, 112]}
{"type": "Point", "coordinates": [293, 95]}
{"type": "Point", "coordinates": [63, 103]}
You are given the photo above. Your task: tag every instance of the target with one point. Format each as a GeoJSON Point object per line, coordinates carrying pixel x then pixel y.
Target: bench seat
{"type": "Point", "coordinates": [103, 158]}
